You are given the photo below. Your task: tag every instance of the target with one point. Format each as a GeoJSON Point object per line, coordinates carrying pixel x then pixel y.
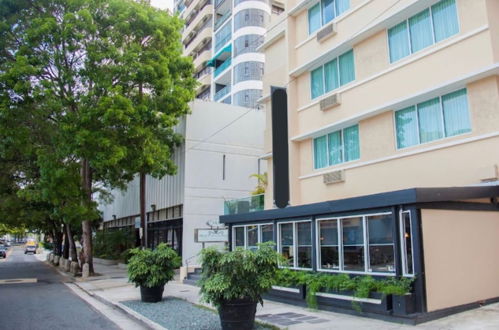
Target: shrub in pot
{"type": "Point", "coordinates": [235, 281]}
{"type": "Point", "coordinates": [152, 269]}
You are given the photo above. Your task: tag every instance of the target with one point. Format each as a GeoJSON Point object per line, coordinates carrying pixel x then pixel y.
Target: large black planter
{"type": "Point", "coordinates": [404, 305]}
{"type": "Point", "coordinates": [237, 314]}
{"type": "Point", "coordinates": [152, 295]}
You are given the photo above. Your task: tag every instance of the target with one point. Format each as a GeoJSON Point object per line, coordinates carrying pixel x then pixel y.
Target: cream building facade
{"type": "Point", "coordinates": [393, 135]}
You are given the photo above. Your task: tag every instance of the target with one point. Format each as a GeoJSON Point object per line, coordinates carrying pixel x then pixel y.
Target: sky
{"type": "Point", "coordinates": [163, 4]}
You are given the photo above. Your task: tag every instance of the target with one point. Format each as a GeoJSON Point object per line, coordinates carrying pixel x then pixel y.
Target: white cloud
{"type": "Point", "coordinates": [163, 4]}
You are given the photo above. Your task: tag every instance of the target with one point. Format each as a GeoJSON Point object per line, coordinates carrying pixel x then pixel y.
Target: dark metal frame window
{"type": "Point", "coordinates": [294, 243]}
{"type": "Point", "coordinates": [406, 243]}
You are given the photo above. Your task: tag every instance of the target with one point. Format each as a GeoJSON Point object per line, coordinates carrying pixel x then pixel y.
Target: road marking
{"type": "Point", "coordinates": [19, 280]}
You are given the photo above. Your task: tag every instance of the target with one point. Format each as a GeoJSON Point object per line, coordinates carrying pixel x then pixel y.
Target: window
{"type": "Point", "coordinates": [433, 119]}
{"type": "Point", "coordinates": [333, 74]}
{"type": "Point", "coordinates": [357, 244]}
{"type": "Point", "coordinates": [295, 243]}
{"type": "Point", "coordinates": [248, 237]}
{"type": "Point", "coordinates": [429, 26]}
{"type": "Point", "coordinates": [406, 243]}
{"type": "Point", "coordinates": [337, 147]}
{"type": "Point", "coordinates": [381, 244]}
{"type": "Point", "coordinates": [324, 12]}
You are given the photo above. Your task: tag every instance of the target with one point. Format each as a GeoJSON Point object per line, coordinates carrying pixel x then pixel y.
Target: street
{"type": "Point", "coordinates": [33, 296]}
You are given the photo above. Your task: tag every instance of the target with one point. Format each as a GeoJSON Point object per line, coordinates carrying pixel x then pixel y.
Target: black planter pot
{"type": "Point", "coordinates": [237, 314]}
{"type": "Point", "coordinates": [403, 305]}
{"type": "Point", "coordinates": [152, 295]}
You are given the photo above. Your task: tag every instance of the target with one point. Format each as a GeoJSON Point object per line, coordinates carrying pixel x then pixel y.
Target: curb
{"type": "Point", "coordinates": [137, 316]}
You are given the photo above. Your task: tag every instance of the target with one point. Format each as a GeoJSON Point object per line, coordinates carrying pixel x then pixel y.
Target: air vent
{"type": "Point", "coordinates": [334, 177]}
{"type": "Point", "coordinates": [330, 102]}
{"type": "Point", "coordinates": [326, 32]}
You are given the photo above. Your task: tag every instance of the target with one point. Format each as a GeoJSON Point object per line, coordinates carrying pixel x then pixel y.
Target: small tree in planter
{"type": "Point", "coordinates": [152, 269]}
{"type": "Point", "coordinates": [235, 281]}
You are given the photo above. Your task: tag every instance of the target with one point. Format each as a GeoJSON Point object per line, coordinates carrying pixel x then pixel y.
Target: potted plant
{"type": "Point", "coordinates": [235, 281]}
{"type": "Point", "coordinates": [403, 299]}
{"type": "Point", "coordinates": [152, 269]}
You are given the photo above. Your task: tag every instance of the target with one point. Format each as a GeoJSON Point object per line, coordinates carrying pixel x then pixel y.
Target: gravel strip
{"type": "Point", "coordinates": [173, 314]}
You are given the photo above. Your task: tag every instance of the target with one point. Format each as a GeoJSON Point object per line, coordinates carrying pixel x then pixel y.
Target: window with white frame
{"type": "Point", "coordinates": [332, 75]}
{"type": "Point", "coordinates": [295, 243]}
{"type": "Point", "coordinates": [406, 243]}
{"type": "Point", "coordinates": [337, 147]}
{"type": "Point", "coordinates": [426, 28]}
{"type": "Point", "coordinates": [249, 236]}
{"type": "Point", "coordinates": [362, 244]}
{"type": "Point", "coordinates": [325, 11]}
{"type": "Point", "coordinates": [434, 119]}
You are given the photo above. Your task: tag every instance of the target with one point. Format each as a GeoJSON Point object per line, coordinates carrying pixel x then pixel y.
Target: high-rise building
{"type": "Point", "coordinates": [223, 37]}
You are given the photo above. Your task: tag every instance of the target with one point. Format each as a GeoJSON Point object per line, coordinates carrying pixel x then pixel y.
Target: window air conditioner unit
{"type": "Point", "coordinates": [330, 101]}
{"type": "Point", "coordinates": [334, 177]}
{"type": "Point", "coordinates": [326, 32]}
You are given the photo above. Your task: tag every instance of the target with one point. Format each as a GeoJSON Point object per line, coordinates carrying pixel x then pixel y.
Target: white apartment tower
{"type": "Point", "coordinates": [222, 36]}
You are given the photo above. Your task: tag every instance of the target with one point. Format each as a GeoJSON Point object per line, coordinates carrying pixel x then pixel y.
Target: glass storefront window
{"type": "Point", "coordinates": [406, 240]}
{"type": "Point", "coordinates": [328, 241]}
{"type": "Point", "coordinates": [267, 233]}
{"type": "Point", "coordinates": [381, 244]}
{"type": "Point", "coordinates": [353, 244]}
{"type": "Point", "coordinates": [252, 237]}
{"type": "Point", "coordinates": [239, 236]}
{"type": "Point", "coordinates": [287, 249]}
{"type": "Point", "coordinates": [304, 232]}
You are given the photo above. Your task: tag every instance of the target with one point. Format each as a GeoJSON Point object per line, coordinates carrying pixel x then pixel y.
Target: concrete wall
{"type": "Point", "coordinates": [214, 130]}
{"type": "Point", "coordinates": [460, 254]}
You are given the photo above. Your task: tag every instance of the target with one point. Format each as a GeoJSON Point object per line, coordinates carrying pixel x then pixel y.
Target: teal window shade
{"type": "Point", "coordinates": [347, 68]}
{"type": "Point", "coordinates": [445, 21]}
{"type": "Point", "coordinates": [456, 116]}
{"type": "Point", "coordinates": [331, 74]}
{"type": "Point", "coordinates": [420, 29]}
{"type": "Point", "coordinates": [431, 25]}
{"type": "Point", "coordinates": [320, 152]}
{"type": "Point", "coordinates": [341, 6]}
{"type": "Point", "coordinates": [351, 136]}
{"type": "Point", "coordinates": [432, 120]}
{"type": "Point", "coordinates": [317, 84]}
{"type": "Point", "coordinates": [314, 18]}
{"type": "Point", "coordinates": [398, 41]}
{"type": "Point", "coordinates": [324, 12]}
{"type": "Point", "coordinates": [406, 122]}
{"type": "Point", "coordinates": [327, 11]}
{"type": "Point", "coordinates": [337, 147]}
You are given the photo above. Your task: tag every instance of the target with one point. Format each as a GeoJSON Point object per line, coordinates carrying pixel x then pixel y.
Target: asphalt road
{"type": "Point", "coordinates": [33, 296]}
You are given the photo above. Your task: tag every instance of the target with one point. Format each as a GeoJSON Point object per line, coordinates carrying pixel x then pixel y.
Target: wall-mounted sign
{"type": "Point", "coordinates": [137, 222]}
{"type": "Point", "coordinates": [202, 235]}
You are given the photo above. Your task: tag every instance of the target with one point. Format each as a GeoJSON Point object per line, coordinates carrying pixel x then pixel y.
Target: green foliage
{"type": "Point", "coordinates": [361, 286]}
{"type": "Point", "coordinates": [150, 268]}
{"type": "Point", "coordinates": [261, 185]}
{"type": "Point", "coordinates": [238, 274]}
{"type": "Point", "coordinates": [111, 244]}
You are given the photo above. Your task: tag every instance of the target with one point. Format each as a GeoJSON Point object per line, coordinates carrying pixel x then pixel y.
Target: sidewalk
{"type": "Point", "coordinates": [113, 288]}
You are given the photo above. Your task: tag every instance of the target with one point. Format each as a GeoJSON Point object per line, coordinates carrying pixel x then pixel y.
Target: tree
{"type": "Point", "coordinates": [109, 78]}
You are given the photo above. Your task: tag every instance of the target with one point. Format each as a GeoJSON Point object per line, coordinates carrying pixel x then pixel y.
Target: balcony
{"type": "Point", "coordinates": [244, 205]}
{"type": "Point", "coordinates": [223, 66]}
{"type": "Point", "coordinates": [202, 57]}
{"type": "Point", "coordinates": [221, 20]}
{"type": "Point", "coordinates": [221, 93]}
{"type": "Point", "coordinates": [204, 15]}
{"type": "Point", "coordinates": [199, 41]}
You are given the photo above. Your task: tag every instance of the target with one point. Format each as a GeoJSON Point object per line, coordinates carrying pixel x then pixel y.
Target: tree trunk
{"type": "Point", "coordinates": [143, 209]}
{"type": "Point", "coordinates": [57, 242]}
{"type": "Point", "coordinates": [86, 226]}
{"type": "Point", "coordinates": [72, 245]}
{"type": "Point", "coordinates": [65, 250]}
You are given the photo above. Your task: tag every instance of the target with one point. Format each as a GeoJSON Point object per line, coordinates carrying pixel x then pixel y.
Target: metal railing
{"type": "Point", "coordinates": [223, 66]}
{"type": "Point", "coordinates": [222, 42]}
{"type": "Point", "coordinates": [221, 93]}
{"type": "Point", "coordinates": [244, 205]}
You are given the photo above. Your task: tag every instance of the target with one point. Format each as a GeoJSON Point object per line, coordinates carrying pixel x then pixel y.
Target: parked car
{"type": "Point", "coordinates": [30, 248]}
{"type": "Point", "coordinates": [3, 251]}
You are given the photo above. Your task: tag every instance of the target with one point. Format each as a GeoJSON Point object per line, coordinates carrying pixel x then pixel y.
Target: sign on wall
{"type": "Point", "coordinates": [202, 235]}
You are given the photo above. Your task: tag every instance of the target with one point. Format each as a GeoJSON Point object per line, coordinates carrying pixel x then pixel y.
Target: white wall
{"type": "Point", "coordinates": [213, 130]}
